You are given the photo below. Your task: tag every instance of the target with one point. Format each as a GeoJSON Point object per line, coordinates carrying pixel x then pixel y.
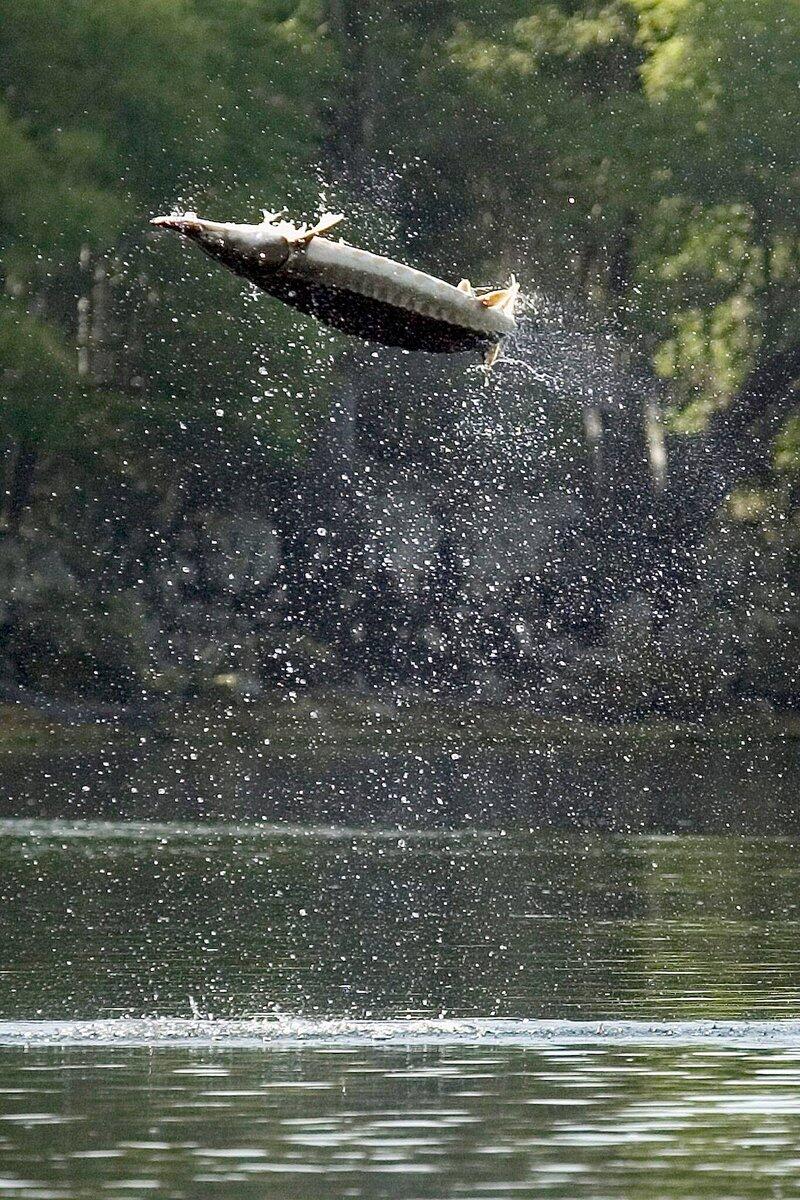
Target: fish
{"type": "Point", "coordinates": [362, 294]}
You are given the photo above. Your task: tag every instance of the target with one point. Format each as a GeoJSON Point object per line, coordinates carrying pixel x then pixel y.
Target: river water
{"type": "Point", "coordinates": [234, 1010]}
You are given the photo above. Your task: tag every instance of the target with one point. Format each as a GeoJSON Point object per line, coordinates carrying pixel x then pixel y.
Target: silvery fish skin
{"type": "Point", "coordinates": [363, 294]}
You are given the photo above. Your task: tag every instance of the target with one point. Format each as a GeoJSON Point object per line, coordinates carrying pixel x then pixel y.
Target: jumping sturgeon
{"type": "Point", "coordinates": [363, 294]}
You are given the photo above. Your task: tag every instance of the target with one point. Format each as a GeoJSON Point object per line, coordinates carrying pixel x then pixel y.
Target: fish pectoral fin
{"type": "Point", "coordinates": [504, 298]}
{"type": "Point", "coordinates": [322, 227]}
{"type": "Point", "coordinates": [464, 285]}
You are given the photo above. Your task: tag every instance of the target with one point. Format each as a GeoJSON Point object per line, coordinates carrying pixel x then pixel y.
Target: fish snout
{"type": "Point", "coordinates": [222, 240]}
{"type": "Point", "coordinates": [190, 225]}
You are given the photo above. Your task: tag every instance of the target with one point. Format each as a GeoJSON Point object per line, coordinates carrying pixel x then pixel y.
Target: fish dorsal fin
{"type": "Point", "coordinates": [326, 223]}
{"type": "Point", "coordinates": [301, 235]}
{"type": "Point", "coordinates": [504, 299]}
{"type": "Point", "coordinates": [323, 226]}
{"type": "Point", "coordinates": [465, 286]}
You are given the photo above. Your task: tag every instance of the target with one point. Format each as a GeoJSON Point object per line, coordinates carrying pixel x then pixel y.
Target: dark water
{"type": "Point", "coordinates": [123, 921]}
{"type": "Point", "coordinates": [109, 919]}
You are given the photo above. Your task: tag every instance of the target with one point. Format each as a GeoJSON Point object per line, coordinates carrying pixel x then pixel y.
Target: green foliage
{"type": "Point", "coordinates": [647, 152]}
{"type": "Point", "coordinates": [112, 112]}
{"type": "Point", "coordinates": [638, 153]}
{"type": "Point", "coordinates": [787, 448]}
{"type": "Point", "coordinates": [723, 84]}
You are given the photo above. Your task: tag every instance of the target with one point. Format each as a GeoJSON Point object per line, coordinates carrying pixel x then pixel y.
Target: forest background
{"type": "Point", "coordinates": [207, 496]}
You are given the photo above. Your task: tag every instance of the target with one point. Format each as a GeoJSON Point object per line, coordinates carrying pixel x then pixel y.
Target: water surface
{"type": "Point", "coordinates": [597, 1122]}
{"type": "Point", "coordinates": [105, 919]}
{"type": "Point", "coordinates": [165, 958]}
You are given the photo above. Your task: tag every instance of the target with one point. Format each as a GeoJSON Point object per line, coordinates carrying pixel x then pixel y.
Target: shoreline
{"type": "Point", "coordinates": [337, 723]}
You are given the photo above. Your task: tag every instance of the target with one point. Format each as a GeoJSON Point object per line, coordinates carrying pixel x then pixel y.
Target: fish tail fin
{"type": "Point", "coordinates": [504, 299]}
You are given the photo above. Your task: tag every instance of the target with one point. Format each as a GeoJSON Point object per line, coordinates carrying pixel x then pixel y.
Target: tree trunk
{"type": "Point", "coordinates": [770, 389]}
{"type": "Point", "coordinates": [655, 537]}
{"type": "Point", "coordinates": [20, 467]}
{"type": "Point", "coordinates": [353, 129]}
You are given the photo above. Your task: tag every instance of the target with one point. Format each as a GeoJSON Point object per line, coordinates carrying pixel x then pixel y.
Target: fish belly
{"type": "Point", "coordinates": [374, 320]}
{"type": "Point", "coordinates": [365, 317]}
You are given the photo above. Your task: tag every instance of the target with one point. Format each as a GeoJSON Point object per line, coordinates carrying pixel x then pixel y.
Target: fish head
{"type": "Point", "coordinates": [265, 243]}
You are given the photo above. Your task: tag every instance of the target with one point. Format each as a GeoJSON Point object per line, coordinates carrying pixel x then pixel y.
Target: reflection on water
{"type": "Point", "coordinates": [103, 919]}
{"type": "Point", "coordinates": [607, 1123]}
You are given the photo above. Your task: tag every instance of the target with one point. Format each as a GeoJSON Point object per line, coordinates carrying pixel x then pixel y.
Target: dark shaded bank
{"type": "Point", "coordinates": [488, 588]}
{"type": "Point", "coordinates": [364, 762]}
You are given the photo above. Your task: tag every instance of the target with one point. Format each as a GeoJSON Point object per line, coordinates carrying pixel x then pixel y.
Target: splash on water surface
{"type": "Point", "coordinates": [294, 1032]}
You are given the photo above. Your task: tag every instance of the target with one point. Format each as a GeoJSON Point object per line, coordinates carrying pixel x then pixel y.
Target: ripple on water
{"type": "Point", "coordinates": [680, 1120]}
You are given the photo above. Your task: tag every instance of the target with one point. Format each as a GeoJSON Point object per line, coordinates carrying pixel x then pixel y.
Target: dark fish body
{"type": "Point", "coordinates": [363, 294]}
{"type": "Point", "coordinates": [365, 311]}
